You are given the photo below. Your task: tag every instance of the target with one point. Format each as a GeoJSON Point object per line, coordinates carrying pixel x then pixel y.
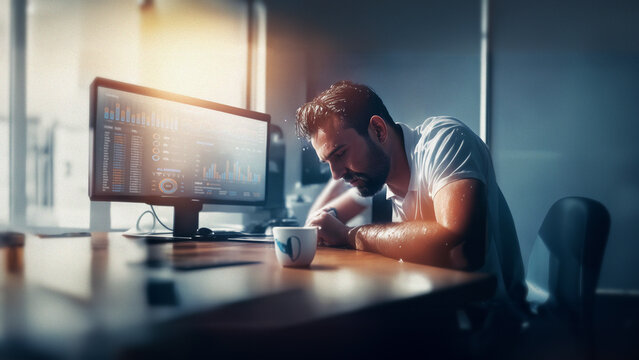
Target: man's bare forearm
{"type": "Point", "coordinates": [333, 189]}
{"type": "Point", "coordinates": [424, 242]}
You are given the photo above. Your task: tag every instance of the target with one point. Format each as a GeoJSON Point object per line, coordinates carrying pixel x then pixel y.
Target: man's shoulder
{"type": "Point", "coordinates": [437, 124]}
{"type": "Point", "coordinates": [433, 136]}
{"type": "Point", "coordinates": [438, 130]}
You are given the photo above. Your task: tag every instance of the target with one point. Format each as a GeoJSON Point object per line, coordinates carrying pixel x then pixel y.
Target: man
{"type": "Point", "coordinates": [447, 208]}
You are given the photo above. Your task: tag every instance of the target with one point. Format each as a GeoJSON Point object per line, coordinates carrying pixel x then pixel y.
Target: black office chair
{"type": "Point", "coordinates": [564, 265]}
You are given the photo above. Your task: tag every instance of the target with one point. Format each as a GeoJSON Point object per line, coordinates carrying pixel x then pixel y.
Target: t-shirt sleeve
{"type": "Point", "coordinates": [455, 153]}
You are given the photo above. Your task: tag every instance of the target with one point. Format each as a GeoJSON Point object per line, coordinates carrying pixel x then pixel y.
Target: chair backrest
{"type": "Point", "coordinates": [564, 265]}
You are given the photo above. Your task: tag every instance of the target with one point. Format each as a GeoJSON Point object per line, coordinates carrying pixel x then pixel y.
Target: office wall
{"type": "Point", "coordinates": [565, 116]}
{"type": "Point", "coordinates": [422, 58]}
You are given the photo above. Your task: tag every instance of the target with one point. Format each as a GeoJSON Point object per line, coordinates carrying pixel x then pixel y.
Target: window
{"type": "Point", "coordinates": [190, 47]}
{"type": "Point", "coordinates": [193, 48]}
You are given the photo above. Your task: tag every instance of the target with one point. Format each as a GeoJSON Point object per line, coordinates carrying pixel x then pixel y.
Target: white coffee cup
{"type": "Point", "coordinates": [295, 246]}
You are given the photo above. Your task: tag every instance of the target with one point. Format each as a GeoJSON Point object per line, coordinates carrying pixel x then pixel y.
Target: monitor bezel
{"type": "Point", "coordinates": [165, 200]}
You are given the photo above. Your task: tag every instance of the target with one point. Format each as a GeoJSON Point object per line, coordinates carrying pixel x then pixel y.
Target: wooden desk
{"type": "Point", "coordinates": [77, 297]}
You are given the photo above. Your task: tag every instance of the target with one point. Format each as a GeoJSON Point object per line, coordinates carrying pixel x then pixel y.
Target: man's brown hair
{"type": "Point", "coordinates": [352, 103]}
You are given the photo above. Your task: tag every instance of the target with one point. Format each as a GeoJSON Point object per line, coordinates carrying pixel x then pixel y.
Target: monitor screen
{"type": "Point", "coordinates": [152, 146]}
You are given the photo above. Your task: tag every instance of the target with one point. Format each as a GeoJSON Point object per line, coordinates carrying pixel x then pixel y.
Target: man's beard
{"type": "Point", "coordinates": [375, 177]}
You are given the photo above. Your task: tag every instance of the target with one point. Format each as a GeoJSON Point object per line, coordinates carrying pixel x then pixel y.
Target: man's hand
{"type": "Point", "coordinates": [331, 231]}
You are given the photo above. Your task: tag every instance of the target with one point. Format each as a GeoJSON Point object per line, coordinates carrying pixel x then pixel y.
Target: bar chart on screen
{"type": "Point", "coordinates": [235, 173]}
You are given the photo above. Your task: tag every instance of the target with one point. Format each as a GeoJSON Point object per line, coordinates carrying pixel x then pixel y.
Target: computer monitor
{"type": "Point", "coordinates": [161, 148]}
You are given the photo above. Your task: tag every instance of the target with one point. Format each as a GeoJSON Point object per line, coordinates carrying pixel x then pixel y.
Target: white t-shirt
{"type": "Point", "coordinates": [441, 151]}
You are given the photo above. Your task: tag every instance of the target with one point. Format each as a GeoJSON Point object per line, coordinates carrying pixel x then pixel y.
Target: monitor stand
{"type": "Point", "coordinates": [185, 227]}
{"type": "Point", "coordinates": [185, 224]}
{"type": "Point", "coordinates": [186, 218]}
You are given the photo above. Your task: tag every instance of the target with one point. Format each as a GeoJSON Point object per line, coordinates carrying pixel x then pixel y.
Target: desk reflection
{"type": "Point", "coordinates": [161, 292]}
{"type": "Point", "coordinates": [88, 297]}
{"type": "Point", "coordinates": [14, 261]}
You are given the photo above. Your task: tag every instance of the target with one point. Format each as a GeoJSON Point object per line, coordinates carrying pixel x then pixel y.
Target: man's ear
{"type": "Point", "coordinates": [377, 129]}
